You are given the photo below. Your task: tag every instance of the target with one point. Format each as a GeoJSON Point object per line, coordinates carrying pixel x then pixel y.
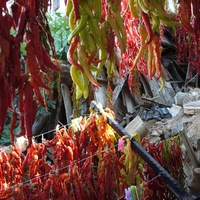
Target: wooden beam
{"type": "Point", "coordinates": [67, 102]}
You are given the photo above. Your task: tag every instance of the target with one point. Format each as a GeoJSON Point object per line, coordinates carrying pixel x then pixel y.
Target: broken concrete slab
{"type": "Point", "coordinates": [192, 108]}
{"type": "Point", "coordinates": [137, 126]}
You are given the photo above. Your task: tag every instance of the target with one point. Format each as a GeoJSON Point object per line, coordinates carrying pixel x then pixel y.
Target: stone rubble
{"type": "Point", "coordinates": [185, 120]}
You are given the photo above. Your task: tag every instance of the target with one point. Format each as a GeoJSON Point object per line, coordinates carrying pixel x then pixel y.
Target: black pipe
{"type": "Point", "coordinates": [173, 186]}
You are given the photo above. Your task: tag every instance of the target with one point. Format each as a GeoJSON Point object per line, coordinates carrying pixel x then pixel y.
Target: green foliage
{"type": "Point", "coordinates": [51, 104]}
{"type": "Point", "coordinates": [5, 136]}
{"type": "Point", "coordinates": [22, 45]}
{"type": "Point", "coordinates": [60, 30]}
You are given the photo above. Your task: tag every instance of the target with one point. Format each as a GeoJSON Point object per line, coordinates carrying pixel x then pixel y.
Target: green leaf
{"type": "Point", "coordinates": [60, 31]}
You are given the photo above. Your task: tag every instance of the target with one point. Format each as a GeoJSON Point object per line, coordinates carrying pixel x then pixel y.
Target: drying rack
{"type": "Point", "coordinates": [173, 186]}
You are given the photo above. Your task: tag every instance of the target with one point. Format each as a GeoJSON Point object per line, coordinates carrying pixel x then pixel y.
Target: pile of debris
{"type": "Point", "coordinates": [183, 117]}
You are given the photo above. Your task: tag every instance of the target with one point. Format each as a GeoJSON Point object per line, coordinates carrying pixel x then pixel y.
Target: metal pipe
{"type": "Point", "coordinates": [173, 186]}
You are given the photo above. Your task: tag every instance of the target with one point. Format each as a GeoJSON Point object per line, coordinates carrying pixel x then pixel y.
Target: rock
{"type": "Point", "coordinates": [178, 98]}
{"type": "Point", "coordinates": [155, 133]}
{"type": "Point", "coordinates": [159, 124]}
{"type": "Point", "coordinates": [155, 139]}
{"type": "Point", "coordinates": [193, 96]}
{"type": "Point", "coordinates": [174, 110]}
{"type": "Point", "coordinates": [137, 126]}
{"type": "Point", "coordinates": [194, 182]}
{"type": "Point", "coordinates": [160, 131]}
{"type": "Point", "coordinates": [197, 90]}
{"type": "Point", "coordinates": [192, 108]}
